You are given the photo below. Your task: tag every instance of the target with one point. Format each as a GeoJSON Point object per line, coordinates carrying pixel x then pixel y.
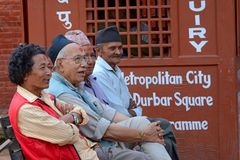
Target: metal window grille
{"type": "Point", "coordinates": [144, 25]}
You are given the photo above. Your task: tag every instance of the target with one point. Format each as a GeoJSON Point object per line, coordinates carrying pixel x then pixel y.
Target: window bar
{"type": "Point", "coordinates": [128, 29]}
{"type": "Point", "coordinates": [149, 31]}
{"type": "Point", "coordinates": [106, 9]}
{"type": "Point", "coordinates": [95, 16]}
{"type": "Point", "coordinates": [160, 28]}
{"type": "Point", "coordinates": [139, 51]}
{"type": "Point", "coordinates": [117, 13]}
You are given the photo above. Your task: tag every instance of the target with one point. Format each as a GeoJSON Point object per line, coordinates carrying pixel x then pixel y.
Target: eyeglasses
{"type": "Point", "coordinates": [78, 59]}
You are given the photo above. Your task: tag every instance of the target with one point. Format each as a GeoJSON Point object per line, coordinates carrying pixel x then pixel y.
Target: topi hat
{"type": "Point", "coordinates": [57, 45]}
{"type": "Point", "coordinates": [109, 34]}
{"type": "Point", "coordinates": [77, 36]}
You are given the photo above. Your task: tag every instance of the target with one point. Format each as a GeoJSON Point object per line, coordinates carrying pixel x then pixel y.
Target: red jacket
{"type": "Point", "coordinates": [35, 149]}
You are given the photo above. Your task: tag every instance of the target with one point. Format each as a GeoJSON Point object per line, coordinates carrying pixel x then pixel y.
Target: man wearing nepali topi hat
{"type": "Point", "coordinates": [109, 76]}
{"type": "Point", "coordinates": [116, 133]}
{"type": "Point", "coordinates": [43, 125]}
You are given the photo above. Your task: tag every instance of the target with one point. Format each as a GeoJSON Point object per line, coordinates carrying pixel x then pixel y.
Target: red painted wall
{"type": "Point", "coordinates": [218, 59]}
{"type": "Point", "coordinates": [11, 33]}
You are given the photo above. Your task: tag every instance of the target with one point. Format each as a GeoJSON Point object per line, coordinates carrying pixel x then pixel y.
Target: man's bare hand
{"type": "Point", "coordinates": [65, 108]}
{"type": "Point", "coordinates": [153, 133]}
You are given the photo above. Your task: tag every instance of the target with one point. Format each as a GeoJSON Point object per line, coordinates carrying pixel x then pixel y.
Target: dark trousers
{"type": "Point", "coordinates": [169, 137]}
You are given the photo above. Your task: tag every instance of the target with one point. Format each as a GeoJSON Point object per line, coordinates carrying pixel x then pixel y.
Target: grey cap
{"type": "Point", "coordinates": [59, 42]}
{"type": "Point", "coordinates": [109, 34]}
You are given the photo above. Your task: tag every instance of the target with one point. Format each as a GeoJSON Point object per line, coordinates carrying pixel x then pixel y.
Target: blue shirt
{"type": "Point", "coordinates": [113, 85]}
{"type": "Point", "coordinates": [100, 115]}
{"type": "Point", "coordinates": [91, 85]}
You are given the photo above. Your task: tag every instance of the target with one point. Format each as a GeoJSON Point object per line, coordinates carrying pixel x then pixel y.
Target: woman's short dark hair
{"type": "Point", "coordinates": [20, 63]}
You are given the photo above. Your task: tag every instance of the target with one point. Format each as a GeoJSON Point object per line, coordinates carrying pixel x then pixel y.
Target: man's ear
{"type": "Point", "coordinates": [25, 78]}
{"type": "Point", "coordinates": [59, 65]}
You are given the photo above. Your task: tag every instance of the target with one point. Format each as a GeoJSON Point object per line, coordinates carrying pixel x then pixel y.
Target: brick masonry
{"type": "Point", "coordinates": [11, 33]}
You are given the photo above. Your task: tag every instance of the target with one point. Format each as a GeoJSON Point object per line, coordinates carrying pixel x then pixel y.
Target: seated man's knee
{"type": "Point", "coordinates": [140, 156]}
{"type": "Point", "coordinates": [140, 121]}
{"type": "Point", "coordinates": [164, 123]}
{"type": "Point", "coordinates": [119, 154]}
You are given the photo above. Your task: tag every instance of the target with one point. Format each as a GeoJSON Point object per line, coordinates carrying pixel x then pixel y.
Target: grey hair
{"type": "Point", "coordinates": [60, 55]}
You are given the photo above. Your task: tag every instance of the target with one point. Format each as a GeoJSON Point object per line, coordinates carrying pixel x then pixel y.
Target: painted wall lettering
{"type": "Point", "coordinates": [165, 78]}
{"type": "Point", "coordinates": [197, 31]}
{"type": "Point", "coordinates": [180, 99]}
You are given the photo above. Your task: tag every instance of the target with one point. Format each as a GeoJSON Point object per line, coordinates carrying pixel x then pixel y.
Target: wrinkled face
{"type": "Point", "coordinates": [38, 78]}
{"type": "Point", "coordinates": [91, 60]}
{"type": "Point", "coordinates": [73, 64]}
{"type": "Point", "coordinates": [111, 52]}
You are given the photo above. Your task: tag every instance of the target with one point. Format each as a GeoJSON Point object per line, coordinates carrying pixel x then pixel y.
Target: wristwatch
{"type": "Point", "coordinates": [75, 118]}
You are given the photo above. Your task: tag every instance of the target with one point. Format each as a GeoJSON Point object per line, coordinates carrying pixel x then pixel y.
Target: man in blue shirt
{"type": "Point", "coordinates": [70, 63]}
{"type": "Point", "coordinates": [109, 76]}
